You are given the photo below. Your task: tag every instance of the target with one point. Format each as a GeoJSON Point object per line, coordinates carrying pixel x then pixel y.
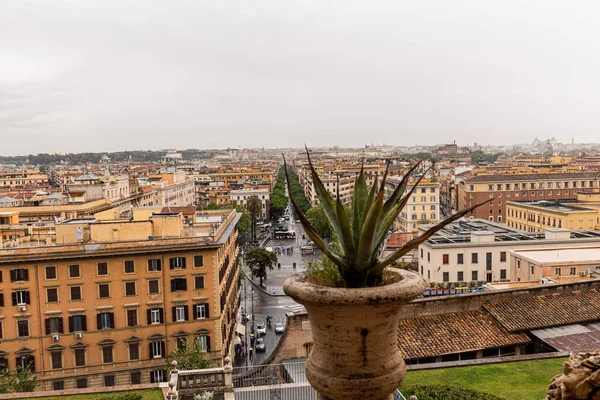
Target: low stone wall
{"type": "Point", "coordinates": [296, 342]}
{"type": "Point", "coordinates": [489, 360]}
{"type": "Point", "coordinates": [298, 337]}
{"type": "Point", "coordinates": [473, 301]}
{"type": "Point", "coordinates": [110, 389]}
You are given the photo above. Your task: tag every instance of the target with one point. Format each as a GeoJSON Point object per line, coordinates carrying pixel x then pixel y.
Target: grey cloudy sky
{"type": "Point", "coordinates": [79, 75]}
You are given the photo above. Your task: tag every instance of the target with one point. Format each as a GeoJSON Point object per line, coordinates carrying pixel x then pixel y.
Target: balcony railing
{"type": "Point", "coordinates": [262, 382]}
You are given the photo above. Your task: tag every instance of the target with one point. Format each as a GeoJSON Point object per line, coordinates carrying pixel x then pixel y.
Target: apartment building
{"type": "Point", "coordinates": [581, 212]}
{"type": "Point", "coordinates": [478, 250]}
{"type": "Point", "coordinates": [113, 188]}
{"type": "Point", "coordinates": [231, 177]}
{"type": "Point", "coordinates": [12, 179]}
{"type": "Point", "coordinates": [554, 263]}
{"type": "Point", "coordinates": [514, 186]}
{"type": "Point", "coordinates": [333, 183]}
{"type": "Point", "coordinates": [103, 304]}
{"type": "Point", "coordinates": [423, 206]}
{"type": "Point", "coordinates": [172, 189]}
{"type": "Point", "coordinates": [242, 196]}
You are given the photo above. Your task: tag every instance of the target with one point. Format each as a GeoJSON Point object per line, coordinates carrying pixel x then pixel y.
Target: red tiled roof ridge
{"type": "Point", "coordinates": [544, 311]}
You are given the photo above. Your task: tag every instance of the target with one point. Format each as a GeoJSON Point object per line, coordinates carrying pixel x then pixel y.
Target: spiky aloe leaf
{"type": "Point", "coordinates": [381, 264]}
{"type": "Point", "coordinates": [391, 202]}
{"type": "Point", "coordinates": [311, 231]}
{"type": "Point", "coordinates": [385, 225]}
{"type": "Point", "coordinates": [359, 197]}
{"type": "Point", "coordinates": [368, 202]}
{"type": "Point", "coordinates": [365, 254]}
{"type": "Point", "coordinates": [327, 201]}
{"type": "Point", "coordinates": [347, 240]}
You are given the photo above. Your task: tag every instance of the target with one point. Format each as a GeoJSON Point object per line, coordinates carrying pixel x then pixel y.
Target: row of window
{"type": "Point", "coordinates": [102, 268]}
{"type": "Point", "coordinates": [424, 199]}
{"type": "Point", "coordinates": [557, 271]}
{"type": "Point", "coordinates": [22, 297]}
{"type": "Point", "coordinates": [156, 349]}
{"type": "Point", "coordinates": [414, 217]}
{"type": "Point", "coordinates": [106, 320]}
{"type": "Point", "coordinates": [460, 277]}
{"type": "Point", "coordinates": [538, 185]}
{"type": "Point", "coordinates": [474, 258]}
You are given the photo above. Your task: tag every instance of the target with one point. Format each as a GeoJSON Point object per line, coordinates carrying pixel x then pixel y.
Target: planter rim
{"type": "Point", "coordinates": [408, 287]}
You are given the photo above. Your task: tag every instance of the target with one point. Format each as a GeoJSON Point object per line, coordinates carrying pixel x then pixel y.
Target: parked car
{"type": "Point", "coordinates": [260, 345]}
{"type": "Point", "coordinates": [279, 328]}
{"type": "Point", "coordinates": [261, 329]}
{"type": "Point", "coordinates": [478, 289]}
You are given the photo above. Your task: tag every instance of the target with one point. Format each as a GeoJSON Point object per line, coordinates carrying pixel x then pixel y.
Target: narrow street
{"type": "Point", "coordinates": [272, 300]}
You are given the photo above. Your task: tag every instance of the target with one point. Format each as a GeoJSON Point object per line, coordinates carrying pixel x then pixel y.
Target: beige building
{"type": "Point", "coordinates": [330, 181]}
{"type": "Point", "coordinates": [423, 206]}
{"type": "Point", "coordinates": [13, 179]}
{"type": "Point", "coordinates": [242, 196]}
{"type": "Point", "coordinates": [538, 264]}
{"type": "Point", "coordinates": [478, 251]}
{"type": "Point", "coordinates": [172, 189]}
{"type": "Point", "coordinates": [581, 212]}
{"type": "Point", "coordinates": [103, 304]}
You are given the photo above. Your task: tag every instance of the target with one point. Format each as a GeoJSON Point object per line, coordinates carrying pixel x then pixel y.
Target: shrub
{"type": "Point", "coordinates": [446, 392]}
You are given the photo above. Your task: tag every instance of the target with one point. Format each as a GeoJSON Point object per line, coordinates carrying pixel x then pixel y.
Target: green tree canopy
{"type": "Point", "coordinates": [18, 381]}
{"type": "Point", "coordinates": [316, 216]}
{"type": "Point", "coordinates": [258, 260]}
{"type": "Point", "coordinates": [279, 200]}
{"type": "Point", "coordinates": [190, 356]}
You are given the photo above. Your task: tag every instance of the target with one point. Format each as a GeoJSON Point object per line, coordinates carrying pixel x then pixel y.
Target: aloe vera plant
{"type": "Point", "coordinates": [361, 236]}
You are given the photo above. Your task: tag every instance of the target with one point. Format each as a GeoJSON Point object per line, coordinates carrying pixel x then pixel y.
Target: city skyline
{"type": "Point", "coordinates": [80, 76]}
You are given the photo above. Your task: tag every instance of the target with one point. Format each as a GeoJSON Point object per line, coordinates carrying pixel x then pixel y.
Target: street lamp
{"type": "Point", "coordinates": [252, 292]}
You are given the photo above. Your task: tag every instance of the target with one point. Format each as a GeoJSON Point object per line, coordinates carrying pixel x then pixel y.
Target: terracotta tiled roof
{"type": "Point", "coordinates": [522, 314]}
{"type": "Point", "coordinates": [186, 210]}
{"type": "Point", "coordinates": [397, 239]}
{"type": "Point", "coordinates": [453, 333]}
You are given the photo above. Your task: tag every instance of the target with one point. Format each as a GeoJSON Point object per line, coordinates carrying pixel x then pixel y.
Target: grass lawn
{"type": "Point", "coordinates": [149, 394]}
{"type": "Point", "coordinates": [523, 380]}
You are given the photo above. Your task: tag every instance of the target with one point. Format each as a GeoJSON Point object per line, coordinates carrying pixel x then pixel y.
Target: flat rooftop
{"type": "Point", "coordinates": [581, 255]}
{"type": "Point", "coordinates": [465, 226]}
{"type": "Point", "coordinates": [555, 205]}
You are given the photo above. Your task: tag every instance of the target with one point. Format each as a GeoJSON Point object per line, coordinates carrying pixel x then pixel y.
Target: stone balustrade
{"type": "Point", "coordinates": [192, 382]}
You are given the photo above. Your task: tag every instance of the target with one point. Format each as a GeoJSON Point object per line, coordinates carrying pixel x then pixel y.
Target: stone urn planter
{"type": "Point", "coordinates": [355, 351]}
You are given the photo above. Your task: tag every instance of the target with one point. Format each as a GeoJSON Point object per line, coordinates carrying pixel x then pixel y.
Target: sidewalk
{"type": "Point", "coordinates": [277, 276]}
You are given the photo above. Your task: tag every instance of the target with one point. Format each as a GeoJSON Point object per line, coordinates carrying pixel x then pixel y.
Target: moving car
{"type": "Point", "coordinates": [260, 345]}
{"type": "Point", "coordinates": [279, 328]}
{"type": "Point", "coordinates": [261, 329]}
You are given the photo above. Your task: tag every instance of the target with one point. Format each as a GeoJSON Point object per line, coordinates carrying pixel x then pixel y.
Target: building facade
{"type": "Point", "coordinates": [107, 307]}
{"type": "Point", "coordinates": [479, 252]}
{"type": "Point", "coordinates": [242, 196]}
{"type": "Point", "coordinates": [581, 212]}
{"type": "Point", "coordinates": [539, 264]}
{"type": "Point", "coordinates": [423, 206]}
{"type": "Point", "coordinates": [498, 189]}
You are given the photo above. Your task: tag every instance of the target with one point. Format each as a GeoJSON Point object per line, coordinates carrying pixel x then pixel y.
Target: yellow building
{"type": "Point", "coordinates": [581, 212]}
{"type": "Point", "coordinates": [105, 302]}
{"type": "Point", "coordinates": [423, 206]}
{"type": "Point", "coordinates": [19, 178]}
{"type": "Point", "coordinates": [537, 264]}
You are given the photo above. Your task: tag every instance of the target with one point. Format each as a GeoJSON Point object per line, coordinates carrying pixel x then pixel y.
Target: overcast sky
{"type": "Point", "coordinates": [79, 75]}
